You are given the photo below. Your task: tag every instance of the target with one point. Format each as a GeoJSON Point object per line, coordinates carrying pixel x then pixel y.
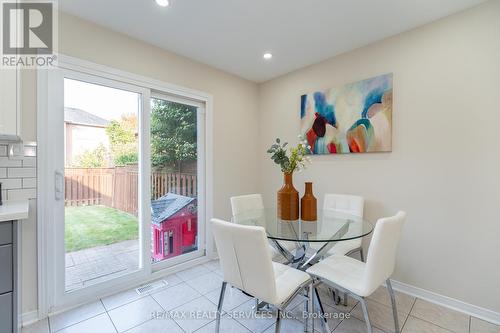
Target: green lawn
{"type": "Point", "coordinates": [90, 226]}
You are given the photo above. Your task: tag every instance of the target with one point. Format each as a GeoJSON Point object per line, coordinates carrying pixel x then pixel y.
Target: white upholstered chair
{"type": "Point", "coordinates": [246, 264]}
{"type": "Point", "coordinates": [253, 203]}
{"type": "Point", "coordinates": [348, 204]}
{"type": "Point", "coordinates": [362, 279]}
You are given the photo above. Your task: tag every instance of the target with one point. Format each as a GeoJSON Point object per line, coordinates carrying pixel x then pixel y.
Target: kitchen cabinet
{"type": "Point", "coordinates": [11, 214]}
{"type": "Point", "coordinates": [10, 111]}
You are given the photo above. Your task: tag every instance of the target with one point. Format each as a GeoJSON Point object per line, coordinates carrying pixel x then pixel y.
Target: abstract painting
{"type": "Point", "coordinates": [355, 118]}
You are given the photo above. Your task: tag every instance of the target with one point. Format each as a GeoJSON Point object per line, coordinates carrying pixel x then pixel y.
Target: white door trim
{"type": "Point", "coordinates": [45, 189]}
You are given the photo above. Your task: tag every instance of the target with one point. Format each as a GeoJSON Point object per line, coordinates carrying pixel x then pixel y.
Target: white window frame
{"type": "Point", "coordinates": [150, 87]}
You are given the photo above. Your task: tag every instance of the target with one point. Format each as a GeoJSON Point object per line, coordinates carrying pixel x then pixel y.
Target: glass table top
{"type": "Point", "coordinates": [330, 226]}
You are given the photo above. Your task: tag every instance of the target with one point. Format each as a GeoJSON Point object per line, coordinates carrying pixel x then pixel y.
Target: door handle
{"type": "Point", "coordinates": [58, 185]}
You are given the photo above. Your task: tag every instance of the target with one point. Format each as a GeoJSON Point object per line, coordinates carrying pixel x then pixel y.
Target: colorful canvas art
{"type": "Point", "coordinates": [355, 118]}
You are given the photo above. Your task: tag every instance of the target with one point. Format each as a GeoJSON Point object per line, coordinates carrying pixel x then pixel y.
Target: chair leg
{"type": "Point", "coordinates": [311, 305]}
{"type": "Point", "coordinates": [219, 307]}
{"type": "Point", "coordinates": [367, 317]}
{"type": "Point", "coordinates": [306, 309]}
{"type": "Point", "coordinates": [361, 254]}
{"type": "Point", "coordinates": [278, 322]}
{"type": "Point", "coordinates": [394, 307]}
{"type": "Point", "coordinates": [336, 297]}
{"type": "Point", "coordinates": [345, 299]}
{"type": "Point", "coordinates": [323, 320]}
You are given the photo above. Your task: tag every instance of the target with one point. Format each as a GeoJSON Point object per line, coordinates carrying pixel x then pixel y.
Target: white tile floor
{"type": "Point", "coordinates": [191, 297]}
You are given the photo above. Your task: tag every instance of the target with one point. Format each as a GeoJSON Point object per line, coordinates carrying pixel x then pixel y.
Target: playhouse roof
{"type": "Point", "coordinates": [167, 206]}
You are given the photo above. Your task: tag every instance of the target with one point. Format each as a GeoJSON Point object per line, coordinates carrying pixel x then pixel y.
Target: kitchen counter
{"type": "Point", "coordinates": [14, 210]}
{"type": "Point", "coordinates": [12, 213]}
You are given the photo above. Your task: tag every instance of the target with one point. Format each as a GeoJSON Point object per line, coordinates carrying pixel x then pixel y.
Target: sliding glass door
{"type": "Point", "coordinates": [128, 163]}
{"type": "Point", "coordinates": [175, 223]}
{"type": "Point", "coordinates": [101, 183]}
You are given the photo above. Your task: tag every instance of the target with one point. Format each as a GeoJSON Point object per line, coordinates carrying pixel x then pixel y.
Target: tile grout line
{"type": "Point", "coordinates": [447, 329]}
{"type": "Point", "coordinates": [386, 306]}
{"type": "Point", "coordinates": [154, 299]}
{"type": "Point", "coordinates": [81, 321]}
{"type": "Point", "coordinates": [409, 313]}
{"type": "Point", "coordinates": [267, 327]}
{"type": "Point", "coordinates": [434, 324]}
{"type": "Point", "coordinates": [107, 314]}
{"type": "Point", "coordinates": [139, 323]}
{"type": "Point", "coordinates": [127, 303]}
{"type": "Point", "coordinates": [182, 303]}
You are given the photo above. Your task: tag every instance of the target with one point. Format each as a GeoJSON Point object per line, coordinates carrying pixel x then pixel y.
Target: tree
{"type": "Point", "coordinates": [123, 140]}
{"type": "Point", "coordinates": [92, 158]}
{"type": "Point", "coordinates": [173, 133]}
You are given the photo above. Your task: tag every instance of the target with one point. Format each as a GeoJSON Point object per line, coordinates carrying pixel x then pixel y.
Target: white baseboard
{"type": "Point", "coordinates": [28, 318]}
{"type": "Point", "coordinates": [448, 302]}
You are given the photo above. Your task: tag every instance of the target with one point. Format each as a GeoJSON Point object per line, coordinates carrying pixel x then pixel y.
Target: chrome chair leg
{"type": "Point", "coordinates": [219, 306]}
{"type": "Point", "coordinates": [367, 317]}
{"type": "Point", "coordinates": [310, 311]}
{"type": "Point", "coordinates": [278, 322]}
{"type": "Point", "coordinates": [336, 297]}
{"type": "Point", "coordinates": [394, 306]}
{"type": "Point", "coordinates": [323, 320]}
{"type": "Point", "coordinates": [306, 309]}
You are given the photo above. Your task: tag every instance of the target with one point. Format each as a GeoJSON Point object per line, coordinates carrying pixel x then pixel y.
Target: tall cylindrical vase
{"type": "Point", "coordinates": [308, 205]}
{"type": "Point", "coordinates": [288, 200]}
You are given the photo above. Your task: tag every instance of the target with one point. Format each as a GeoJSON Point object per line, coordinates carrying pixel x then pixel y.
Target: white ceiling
{"type": "Point", "coordinates": [232, 35]}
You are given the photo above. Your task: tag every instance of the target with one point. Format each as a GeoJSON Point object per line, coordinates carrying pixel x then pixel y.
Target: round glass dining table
{"type": "Point", "coordinates": [303, 243]}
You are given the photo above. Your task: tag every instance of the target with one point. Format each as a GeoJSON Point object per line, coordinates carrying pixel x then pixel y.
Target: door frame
{"type": "Point", "coordinates": [45, 188]}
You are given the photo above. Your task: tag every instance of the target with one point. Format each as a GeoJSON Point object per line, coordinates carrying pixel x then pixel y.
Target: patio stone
{"type": "Point", "coordinates": [90, 266]}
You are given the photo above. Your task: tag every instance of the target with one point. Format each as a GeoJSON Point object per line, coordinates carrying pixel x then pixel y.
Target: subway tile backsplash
{"type": "Point", "coordinates": [18, 176]}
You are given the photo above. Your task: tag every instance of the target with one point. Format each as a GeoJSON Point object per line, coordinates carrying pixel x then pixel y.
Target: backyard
{"type": "Point", "coordinates": [102, 184]}
{"type": "Point", "coordinates": [91, 226]}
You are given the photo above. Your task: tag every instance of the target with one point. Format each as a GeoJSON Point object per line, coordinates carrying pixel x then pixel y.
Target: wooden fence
{"type": "Point", "coordinates": [119, 187]}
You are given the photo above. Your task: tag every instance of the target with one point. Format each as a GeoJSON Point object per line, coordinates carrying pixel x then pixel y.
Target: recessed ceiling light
{"type": "Point", "coordinates": [267, 56]}
{"type": "Point", "coordinates": [163, 3]}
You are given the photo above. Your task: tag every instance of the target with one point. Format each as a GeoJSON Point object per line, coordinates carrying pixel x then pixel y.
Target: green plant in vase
{"type": "Point", "coordinates": [291, 160]}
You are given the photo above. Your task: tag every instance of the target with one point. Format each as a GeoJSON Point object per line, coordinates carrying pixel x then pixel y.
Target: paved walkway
{"type": "Point", "coordinates": [97, 264]}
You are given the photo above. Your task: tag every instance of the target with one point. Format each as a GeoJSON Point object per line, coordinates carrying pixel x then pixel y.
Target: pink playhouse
{"type": "Point", "coordinates": [174, 226]}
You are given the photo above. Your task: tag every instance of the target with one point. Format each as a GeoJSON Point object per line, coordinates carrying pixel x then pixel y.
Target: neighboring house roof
{"type": "Point", "coordinates": [167, 206]}
{"type": "Point", "coordinates": [81, 117]}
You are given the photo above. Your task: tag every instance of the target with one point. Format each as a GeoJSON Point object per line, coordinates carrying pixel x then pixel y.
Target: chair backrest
{"type": "Point", "coordinates": [349, 204]}
{"type": "Point", "coordinates": [245, 258]}
{"type": "Point", "coordinates": [244, 203]}
{"type": "Point", "coordinates": [382, 252]}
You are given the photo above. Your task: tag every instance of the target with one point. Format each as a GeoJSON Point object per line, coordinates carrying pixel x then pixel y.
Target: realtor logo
{"type": "Point", "coordinates": [28, 33]}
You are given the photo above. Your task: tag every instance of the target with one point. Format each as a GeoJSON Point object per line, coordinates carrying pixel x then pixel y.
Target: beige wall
{"type": "Point", "coordinates": [234, 112]}
{"type": "Point", "coordinates": [446, 155]}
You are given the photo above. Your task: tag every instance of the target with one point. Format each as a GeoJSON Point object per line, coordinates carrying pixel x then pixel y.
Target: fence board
{"type": "Point", "coordinates": [118, 187]}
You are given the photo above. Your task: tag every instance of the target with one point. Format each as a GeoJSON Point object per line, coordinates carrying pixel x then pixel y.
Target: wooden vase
{"type": "Point", "coordinates": [308, 205]}
{"type": "Point", "coordinates": [288, 200]}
